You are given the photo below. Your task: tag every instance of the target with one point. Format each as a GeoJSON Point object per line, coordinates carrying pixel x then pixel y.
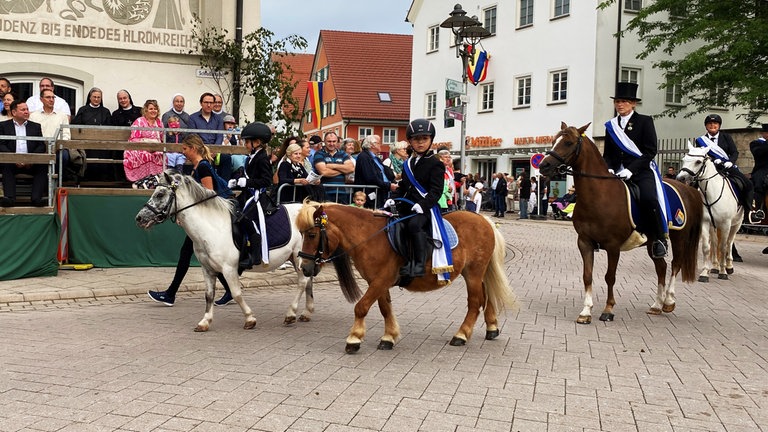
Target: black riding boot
{"type": "Point", "coordinates": [735, 253]}
{"type": "Point", "coordinates": [252, 254]}
{"type": "Point", "coordinates": [659, 247]}
{"type": "Point", "coordinates": [419, 243]}
{"type": "Point", "coordinates": [749, 196]}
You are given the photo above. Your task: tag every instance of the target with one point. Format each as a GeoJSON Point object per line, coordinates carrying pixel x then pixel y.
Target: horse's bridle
{"type": "Point", "coordinates": [320, 222]}
{"type": "Point", "coordinates": [565, 166]}
{"type": "Point", "coordinates": [161, 214]}
{"type": "Point", "coordinates": [697, 178]}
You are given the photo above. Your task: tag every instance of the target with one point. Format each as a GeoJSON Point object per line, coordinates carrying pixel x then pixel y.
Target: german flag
{"type": "Point", "coordinates": [478, 68]}
{"type": "Point", "coordinates": [315, 90]}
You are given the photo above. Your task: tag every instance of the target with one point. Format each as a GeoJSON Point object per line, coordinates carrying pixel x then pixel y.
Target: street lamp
{"type": "Point", "coordinates": [468, 32]}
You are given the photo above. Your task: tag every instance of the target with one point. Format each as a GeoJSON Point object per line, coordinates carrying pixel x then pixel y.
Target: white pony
{"type": "Point", "coordinates": [722, 212]}
{"type": "Point", "coordinates": [207, 220]}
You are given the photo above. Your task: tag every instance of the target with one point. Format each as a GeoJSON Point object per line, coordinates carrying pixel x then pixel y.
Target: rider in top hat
{"type": "Point", "coordinates": [421, 188]}
{"type": "Point", "coordinates": [630, 146]}
{"type": "Point", "coordinates": [759, 150]}
{"type": "Point", "coordinates": [724, 153]}
{"type": "Point", "coordinates": [257, 177]}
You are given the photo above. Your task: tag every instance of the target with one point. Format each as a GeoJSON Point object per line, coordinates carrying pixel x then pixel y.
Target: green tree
{"type": "Point", "coordinates": [253, 70]}
{"type": "Point", "coordinates": [715, 50]}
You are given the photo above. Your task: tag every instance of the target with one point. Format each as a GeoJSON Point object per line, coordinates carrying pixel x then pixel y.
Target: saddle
{"type": "Point", "coordinates": [396, 235]}
{"type": "Point", "coordinates": [278, 229]}
{"type": "Point", "coordinates": [676, 210]}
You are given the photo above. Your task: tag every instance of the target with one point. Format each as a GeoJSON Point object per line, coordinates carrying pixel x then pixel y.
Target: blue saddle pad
{"type": "Point", "coordinates": [676, 207]}
{"type": "Point", "coordinates": [278, 228]}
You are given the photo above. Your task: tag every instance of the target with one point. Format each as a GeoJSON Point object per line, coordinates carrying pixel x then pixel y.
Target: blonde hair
{"type": "Point", "coordinates": [359, 194]}
{"type": "Point", "coordinates": [194, 141]}
{"type": "Point", "coordinates": [147, 104]}
{"type": "Point", "coordinates": [400, 145]}
{"type": "Point", "coordinates": [292, 148]}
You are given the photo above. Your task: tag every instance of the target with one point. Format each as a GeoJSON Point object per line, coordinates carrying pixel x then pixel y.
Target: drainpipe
{"type": "Point", "coordinates": [236, 66]}
{"type": "Point", "coordinates": [618, 50]}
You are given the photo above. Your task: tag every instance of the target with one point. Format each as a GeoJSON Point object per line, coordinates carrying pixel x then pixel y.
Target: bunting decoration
{"type": "Point", "coordinates": [478, 67]}
{"type": "Point", "coordinates": [315, 90]}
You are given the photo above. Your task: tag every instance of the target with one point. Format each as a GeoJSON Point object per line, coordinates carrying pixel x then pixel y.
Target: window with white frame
{"type": "Point", "coordinates": [389, 135]}
{"type": "Point", "coordinates": [523, 91]}
{"type": "Point", "coordinates": [633, 5]}
{"type": "Point", "coordinates": [486, 99]}
{"type": "Point", "coordinates": [674, 92]}
{"type": "Point", "coordinates": [430, 105]}
{"type": "Point", "coordinates": [561, 8]}
{"type": "Point", "coordinates": [559, 85]}
{"type": "Point", "coordinates": [489, 19]}
{"type": "Point", "coordinates": [719, 98]}
{"type": "Point", "coordinates": [329, 108]}
{"type": "Point", "coordinates": [526, 13]}
{"type": "Point", "coordinates": [309, 117]}
{"type": "Point", "coordinates": [631, 75]}
{"type": "Point", "coordinates": [433, 38]}
{"type": "Point", "coordinates": [322, 74]}
{"type": "Point", "coordinates": [364, 132]}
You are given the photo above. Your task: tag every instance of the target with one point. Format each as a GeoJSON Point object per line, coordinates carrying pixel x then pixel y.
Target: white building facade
{"type": "Point", "coordinates": [138, 45]}
{"type": "Point", "coordinates": [550, 61]}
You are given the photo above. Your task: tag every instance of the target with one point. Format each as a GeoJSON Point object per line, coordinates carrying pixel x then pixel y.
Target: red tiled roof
{"type": "Point", "coordinates": [301, 70]}
{"type": "Point", "coordinates": [363, 64]}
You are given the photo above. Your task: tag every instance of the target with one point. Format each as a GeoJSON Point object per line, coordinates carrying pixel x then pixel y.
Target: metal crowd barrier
{"type": "Point", "coordinates": [331, 195]}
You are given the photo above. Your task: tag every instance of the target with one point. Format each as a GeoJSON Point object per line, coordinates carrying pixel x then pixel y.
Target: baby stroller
{"type": "Point", "coordinates": [562, 208]}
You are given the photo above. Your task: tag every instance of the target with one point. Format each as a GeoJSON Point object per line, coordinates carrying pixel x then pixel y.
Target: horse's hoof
{"type": "Point", "coordinates": [352, 348]}
{"type": "Point", "coordinates": [289, 320]}
{"type": "Point", "coordinates": [729, 270]}
{"type": "Point", "coordinates": [492, 334]}
{"type": "Point", "coordinates": [457, 341]}
{"type": "Point", "coordinates": [386, 345]}
{"type": "Point", "coordinates": [714, 270]}
{"type": "Point", "coordinates": [584, 319]}
{"type": "Point", "coordinates": [201, 329]}
{"type": "Point", "coordinates": [654, 311]}
{"type": "Point", "coordinates": [249, 325]}
{"type": "Point", "coordinates": [723, 276]}
{"type": "Point", "coordinates": [304, 318]}
{"type": "Point", "coordinates": [667, 308]}
{"type": "Point", "coordinates": [703, 278]}
{"type": "Point", "coordinates": [606, 316]}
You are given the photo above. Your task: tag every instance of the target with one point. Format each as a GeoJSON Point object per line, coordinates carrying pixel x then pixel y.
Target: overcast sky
{"type": "Point", "coordinates": [307, 17]}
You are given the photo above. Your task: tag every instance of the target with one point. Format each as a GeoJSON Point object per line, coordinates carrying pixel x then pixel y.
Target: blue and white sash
{"type": "Point", "coordinates": [442, 258]}
{"type": "Point", "coordinates": [261, 227]}
{"type": "Point", "coordinates": [628, 146]}
{"type": "Point", "coordinates": [714, 150]}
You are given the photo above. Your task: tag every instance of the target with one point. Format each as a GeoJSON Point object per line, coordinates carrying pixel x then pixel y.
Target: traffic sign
{"type": "Point", "coordinates": [454, 86]}
{"type": "Point", "coordinates": [536, 160]}
{"type": "Point", "coordinates": [457, 115]}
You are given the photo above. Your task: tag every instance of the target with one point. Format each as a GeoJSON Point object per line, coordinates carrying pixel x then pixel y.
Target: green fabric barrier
{"type": "Point", "coordinates": [103, 232]}
{"type": "Point", "coordinates": [28, 246]}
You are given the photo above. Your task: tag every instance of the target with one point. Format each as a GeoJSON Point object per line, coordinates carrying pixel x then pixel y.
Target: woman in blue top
{"type": "Point", "coordinates": [200, 156]}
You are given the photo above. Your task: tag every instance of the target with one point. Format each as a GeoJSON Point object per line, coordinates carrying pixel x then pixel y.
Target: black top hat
{"type": "Point", "coordinates": [626, 91]}
{"type": "Point", "coordinates": [765, 128]}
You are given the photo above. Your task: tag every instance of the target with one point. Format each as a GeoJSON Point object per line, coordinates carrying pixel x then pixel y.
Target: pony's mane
{"type": "Point", "coordinates": [305, 219]}
{"type": "Point", "coordinates": [198, 192]}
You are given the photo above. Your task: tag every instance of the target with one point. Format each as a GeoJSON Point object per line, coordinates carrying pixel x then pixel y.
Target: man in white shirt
{"type": "Point", "coordinates": [34, 102]}
{"type": "Point", "coordinates": [49, 118]}
{"type": "Point", "coordinates": [20, 126]}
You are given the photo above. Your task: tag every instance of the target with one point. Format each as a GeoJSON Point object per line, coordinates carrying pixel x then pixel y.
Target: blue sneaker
{"type": "Point", "coordinates": [225, 299]}
{"type": "Point", "coordinates": [162, 297]}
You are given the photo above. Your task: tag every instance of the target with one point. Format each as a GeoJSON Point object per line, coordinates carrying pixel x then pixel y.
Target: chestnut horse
{"type": "Point", "coordinates": [602, 221]}
{"type": "Point", "coordinates": [337, 233]}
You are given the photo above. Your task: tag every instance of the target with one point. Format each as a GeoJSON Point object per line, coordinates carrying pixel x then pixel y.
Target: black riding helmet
{"type": "Point", "coordinates": [420, 127]}
{"type": "Point", "coordinates": [713, 118]}
{"type": "Point", "coordinates": [257, 131]}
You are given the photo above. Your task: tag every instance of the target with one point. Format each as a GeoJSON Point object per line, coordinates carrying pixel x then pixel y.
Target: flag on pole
{"type": "Point", "coordinates": [478, 68]}
{"type": "Point", "coordinates": [315, 90]}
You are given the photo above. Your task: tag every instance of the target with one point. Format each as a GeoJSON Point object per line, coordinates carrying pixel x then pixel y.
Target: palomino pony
{"type": "Point", "coordinates": [337, 233]}
{"type": "Point", "coordinates": [723, 213]}
{"type": "Point", "coordinates": [206, 218]}
{"type": "Point", "coordinates": [602, 220]}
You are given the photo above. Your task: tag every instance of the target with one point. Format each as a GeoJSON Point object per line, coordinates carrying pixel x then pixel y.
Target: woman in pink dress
{"type": "Point", "coordinates": [141, 163]}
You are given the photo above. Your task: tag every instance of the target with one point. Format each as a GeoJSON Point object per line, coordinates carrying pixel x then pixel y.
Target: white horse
{"type": "Point", "coordinates": [722, 212]}
{"type": "Point", "coordinates": [206, 218]}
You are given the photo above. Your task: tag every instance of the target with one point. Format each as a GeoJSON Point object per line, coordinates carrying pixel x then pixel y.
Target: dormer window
{"type": "Point", "coordinates": [385, 97]}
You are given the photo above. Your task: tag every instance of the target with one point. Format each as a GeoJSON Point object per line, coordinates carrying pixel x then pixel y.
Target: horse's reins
{"type": "Point", "coordinates": [322, 221]}
{"type": "Point", "coordinates": [165, 213]}
{"type": "Point", "coordinates": [565, 167]}
{"type": "Point", "coordinates": [698, 179]}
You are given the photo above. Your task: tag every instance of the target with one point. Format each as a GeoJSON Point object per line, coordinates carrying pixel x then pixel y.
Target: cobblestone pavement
{"type": "Point", "coordinates": [111, 359]}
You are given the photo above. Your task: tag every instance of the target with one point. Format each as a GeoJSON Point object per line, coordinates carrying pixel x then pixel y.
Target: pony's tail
{"type": "Point", "coordinates": [498, 291]}
{"type": "Point", "coordinates": [347, 281]}
{"type": "Point", "coordinates": [690, 249]}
